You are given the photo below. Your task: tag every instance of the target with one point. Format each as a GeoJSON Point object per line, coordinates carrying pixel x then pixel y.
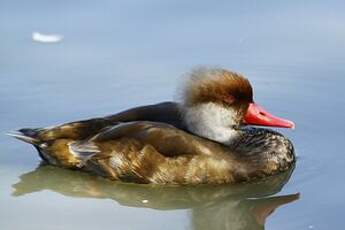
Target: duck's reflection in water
{"type": "Point", "coordinates": [244, 206]}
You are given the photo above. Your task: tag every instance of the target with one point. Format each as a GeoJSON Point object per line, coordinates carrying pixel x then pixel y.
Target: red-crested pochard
{"type": "Point", "coordinates": [203, 139]}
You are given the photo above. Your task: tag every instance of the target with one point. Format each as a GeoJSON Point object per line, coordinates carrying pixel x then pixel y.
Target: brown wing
{"type": "Point", "coordinates": [164, 138]}
{"type": "Point", "coordinates": [152, 152]}
{"type": "Point", "coordinates": [53, 142]}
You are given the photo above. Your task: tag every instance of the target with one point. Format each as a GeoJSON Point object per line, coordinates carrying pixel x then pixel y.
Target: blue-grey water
{"type": "Point", "coordinates": [119, 54]}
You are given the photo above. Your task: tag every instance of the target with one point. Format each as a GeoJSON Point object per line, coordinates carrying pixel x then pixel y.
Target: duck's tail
{"type": "Point", "coordinates": [27, 135]}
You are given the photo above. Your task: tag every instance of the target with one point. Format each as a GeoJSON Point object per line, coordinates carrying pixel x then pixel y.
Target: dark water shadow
{"type": "Point", "coordinates": [244, 206]}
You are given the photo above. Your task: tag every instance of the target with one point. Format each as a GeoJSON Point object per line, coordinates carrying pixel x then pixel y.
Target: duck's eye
{"type": "Point", "coordinates": [229, 99]}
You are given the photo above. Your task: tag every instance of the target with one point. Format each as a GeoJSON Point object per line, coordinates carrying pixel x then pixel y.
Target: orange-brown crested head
{"type": "Point", "coordinates": [219, 86]}
{"type": "Point", "coordinates": [217, 101]}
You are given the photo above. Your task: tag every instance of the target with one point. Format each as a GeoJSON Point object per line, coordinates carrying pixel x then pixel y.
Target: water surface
{"type": "Point", "coordinates": [121, 54]}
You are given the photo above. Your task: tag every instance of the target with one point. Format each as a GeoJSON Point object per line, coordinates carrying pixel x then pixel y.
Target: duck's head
{"type": "Point", "coordinates": [217, 102]}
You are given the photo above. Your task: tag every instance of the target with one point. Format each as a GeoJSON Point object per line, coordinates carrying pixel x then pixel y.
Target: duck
{"type": "Point", "coordinates": [209, 136]}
